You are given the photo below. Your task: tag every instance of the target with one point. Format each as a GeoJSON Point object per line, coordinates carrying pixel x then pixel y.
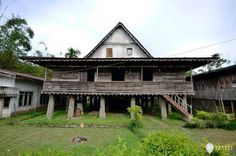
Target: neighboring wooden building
{"type": "Point", "coordinates": [117, 73]}
{"type": "Point", "coordinates": [215, 90]}
{"type": "Point", "coordinates": [18, 92]}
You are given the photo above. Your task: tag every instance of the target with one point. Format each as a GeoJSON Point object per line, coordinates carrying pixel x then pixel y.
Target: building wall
{"type": "Point", "coordinates": [215, 88]}
{"type": "Point", "coordinates": [25, 85]}
{"type": "Point", "coordinates": [29, 86]}
{"type": "Point", "coordinates": [7, 80]}
{"type": "Point", "coordinates": [119, 41]}
{"type": "Point", "coordinates": [162, 76]}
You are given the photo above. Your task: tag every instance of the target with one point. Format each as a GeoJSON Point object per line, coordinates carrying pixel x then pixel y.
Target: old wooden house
{"type": "Point", "coordinates": [18, 92]}
{"type": "Point", "coordinates": [117, 73]}
{"type": "Point", "coordinates": [215, 90]}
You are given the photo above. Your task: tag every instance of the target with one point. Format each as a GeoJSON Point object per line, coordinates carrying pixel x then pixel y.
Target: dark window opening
{"type": "Point", "coordinates": [44, 99]}
{"type": "Point", "coordinates": [21, 99]}
{"type": "Point", "coordinates": [90, 76]}
{"type": "Point", "coordinates": [30, 98]}
{"type": "Point", "coordinates": [118, 75]}
{"type": "Point", "coordinates": [147, 74]}
{"type": "Point", "coordinates": [25, 98]}
{"type": "Point", "coordinates": [6, 102]}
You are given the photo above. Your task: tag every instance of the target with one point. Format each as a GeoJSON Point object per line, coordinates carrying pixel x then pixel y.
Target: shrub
{"type": "Point", "coordinates": [221, 119]}
{"type": "Point", "coordinates": [169, 143]}
{"type": "Point", "coordinates": [204, 115]}
{"type": "Point", "coordinates": [231, 125]}
{"type": "Point", "coordinates": [136, 122]}
{"type": "Point", "coordinates": [212, 120]}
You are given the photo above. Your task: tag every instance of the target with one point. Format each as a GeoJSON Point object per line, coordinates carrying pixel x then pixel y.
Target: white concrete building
{"type": "Point", "coordinates": [18, 92]}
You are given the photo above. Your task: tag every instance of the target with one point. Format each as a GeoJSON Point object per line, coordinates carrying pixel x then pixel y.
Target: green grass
{"type": "Point", "coordinates": [18, 139]}
{"type": "Point", "coordinates": [60, 118]}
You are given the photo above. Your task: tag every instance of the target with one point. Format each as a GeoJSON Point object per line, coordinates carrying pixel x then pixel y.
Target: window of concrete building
{"type": "Point", "coordinates": [21, 98]}
{"type": "Point", "coordinates": [25, 98]}
{"type": "Point", "coordinates": [109, 53]}
{"type": "Point", "coordinates": [6, 102]}
{"type": "Point", "coordinates": [118, 75]}
{"type": "Point", "coordinates": [147, 74]}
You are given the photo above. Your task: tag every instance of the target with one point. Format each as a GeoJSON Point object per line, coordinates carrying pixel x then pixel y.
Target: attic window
{"type": "Point", "coordinates": [109, 52]}
{"type": "Point", "coordinates": [129, 51]}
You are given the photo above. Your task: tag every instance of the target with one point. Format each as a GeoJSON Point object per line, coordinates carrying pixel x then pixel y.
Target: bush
{"type": "Point", "coordinates": [136, 122]}
{"type": "Point", "coordinates": [212, 120]}
{"type": "Point", "coordinates": [221, 119]}
{"type": "Point", "coordinates": [169, 143]}
{"type": "Point", "coordinates": [231, 125]}
{"type": "Point", "coordinates": [204, 115]}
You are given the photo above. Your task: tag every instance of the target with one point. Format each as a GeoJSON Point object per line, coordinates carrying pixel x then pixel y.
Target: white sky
{"type": "Point", "coordinates": [164, 27]}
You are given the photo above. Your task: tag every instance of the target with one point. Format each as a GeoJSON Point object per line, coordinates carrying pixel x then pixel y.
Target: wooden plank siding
{"type": "Point", "coordinates": [216, 87]}
{"type": "Point", "coordinates": [164, 82]}
{"type": "Point", "coordinates": [118, 88]}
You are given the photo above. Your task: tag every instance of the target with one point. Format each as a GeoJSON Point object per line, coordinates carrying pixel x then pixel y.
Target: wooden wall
{"type": "Point", "coordinates": [164, 82]}
{"type": "Point", "coordinates": [216, 87]}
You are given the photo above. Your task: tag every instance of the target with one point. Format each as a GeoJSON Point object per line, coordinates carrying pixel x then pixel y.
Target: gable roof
{"type": "Point", "coordinates": [119, 25]}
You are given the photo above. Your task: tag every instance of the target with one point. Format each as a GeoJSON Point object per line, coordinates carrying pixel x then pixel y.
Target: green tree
{"type": "Point", "coordinates": [72, 53]}
{"type": "Point", "coordinates": [15, 35]}
{"type": "Point", "coordinates": [216, 64]}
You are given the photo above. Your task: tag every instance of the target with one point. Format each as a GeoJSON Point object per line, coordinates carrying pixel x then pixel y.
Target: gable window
{"type": "Point", "coordinates": [109, 52]}
{"type": "Point", "coordinates": [118, 75]}
{"type": "Point", "coordinates": [25, 98]}
{"type": "Point", "coordinates": [129, 51]}
{"type": "Point", "coordinates": [147, 74]}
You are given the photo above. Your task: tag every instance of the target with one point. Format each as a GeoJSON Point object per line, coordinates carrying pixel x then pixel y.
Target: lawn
{"type": "Point", "coordinates": [15, 139]}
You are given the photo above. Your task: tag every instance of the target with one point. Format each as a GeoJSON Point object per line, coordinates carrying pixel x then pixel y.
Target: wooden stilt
{"type": "Point", "coordinates": [71, 108]}
{"type": "Point", "coordinates": [50, 108]}
{"type": "Point", "coordinates": [102, 112]}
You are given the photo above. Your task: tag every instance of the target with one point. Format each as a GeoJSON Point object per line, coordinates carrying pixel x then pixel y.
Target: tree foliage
{"type": "Point", "coordinates": [220, 61]}
{"type": "Point", "coordinates": [15, 35]}
{"type": "Point", "coordinates": [72, 53]}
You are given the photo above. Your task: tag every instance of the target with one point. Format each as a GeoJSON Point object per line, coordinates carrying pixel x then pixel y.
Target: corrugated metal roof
{"type": "Point", "coordinates": [17, 74]}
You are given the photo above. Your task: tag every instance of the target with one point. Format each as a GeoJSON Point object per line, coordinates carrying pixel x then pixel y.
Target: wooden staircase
{"type": "Point", "coordinates": [180, 105]}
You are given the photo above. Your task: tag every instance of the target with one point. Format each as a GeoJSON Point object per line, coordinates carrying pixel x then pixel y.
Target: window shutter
{"type": "Point", "coordinates": [109, 52]}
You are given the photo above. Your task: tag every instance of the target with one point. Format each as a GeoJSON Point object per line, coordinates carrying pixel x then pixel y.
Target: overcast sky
{"type": "Point", "coordinates": [164, 27]}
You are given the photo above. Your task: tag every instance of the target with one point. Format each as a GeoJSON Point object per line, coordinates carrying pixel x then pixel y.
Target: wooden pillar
{"type": "Point", "coordinates": [102, 112]}
{"type": "Point", "coordinates": [1, 107]}
{"type": "Point", "coordinates": [185, 101]}
{"type": "Point", "coordinates": [163, 108]}
{"type": "Point", "coordinates": [132, 103]}
{"type": "Point", "coordinates": [51, 104]}
{"type": "Point", "coordinates": [71, 108]}
{"type": "Point", "coordinates": [169, 108]}
{"type": "Point", "coordinates": [232, 107]}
